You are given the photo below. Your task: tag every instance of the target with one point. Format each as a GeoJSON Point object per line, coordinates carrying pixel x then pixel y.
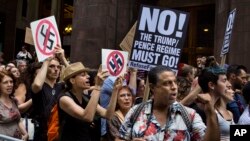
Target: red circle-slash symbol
{"type": "Point", "coordinates": [50, 29]}
{"type": "Point", "coordinates": [115, 63]}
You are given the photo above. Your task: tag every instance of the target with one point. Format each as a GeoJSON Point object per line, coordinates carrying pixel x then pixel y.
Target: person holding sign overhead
{"type": "Point", "coordinates": [124, 103]}
{"type": "Point", "coordinates": [163, 118]}
{"type": "Point", "coordinates": [76, 111]}
{"type": "Point", "coordinates": [45, 90]}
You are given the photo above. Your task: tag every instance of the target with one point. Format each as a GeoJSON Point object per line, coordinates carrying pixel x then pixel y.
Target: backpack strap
{"type": "Point", "coordinates": [186, 117]}
{"type": "Point", "coordinates": [119, 116]}
{"type": "Point", "coordinates": [184, 113]}
{"type": "Point", "coordinates": [135, 115]}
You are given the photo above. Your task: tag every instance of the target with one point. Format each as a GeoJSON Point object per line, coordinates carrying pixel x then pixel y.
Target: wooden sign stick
{"type": "Point", "coordinates": [146, 92]}
{"type": "Point", "coordinates": [223, 60]}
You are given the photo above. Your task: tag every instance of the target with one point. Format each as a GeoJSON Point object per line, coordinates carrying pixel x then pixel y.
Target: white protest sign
{"type": "Point", "coordinates": [114, 61]}
{"type": "Point", "coordinates": [159, 38]}
{"type": "Point", "coordinates": [228, 33]}
{"type": "Point", "coordinates": [46, 37]}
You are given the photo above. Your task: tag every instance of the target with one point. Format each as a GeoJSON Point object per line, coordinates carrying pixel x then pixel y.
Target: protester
{"type": "Point", "coordinates": [10, 123]}
{"type": "Point", "coordinates": [211, 61]}
{"type": "Point", "coordinates": [185, 78]}
{"type": "Point", "coordinates": [124, 103]}
{"type": "Point", "coordinates": [200, 62]}
{"type": "Point", "coordinates": [225, 117]}
{"type": "Point", "coordinates": [184, 88]}
{"type": "Point", "coordinates": [141, 85]}
{"type": "Point", "coordinates": [2, 67]}
{"type": "Point", "coordinates": [9, 66]}
{"type": "Point", "coordinates": [15, 72]}
{"type": "Point", "coordinates": [213, 81]}
{"type": "Point", "coordinates": [22, 65]}
{"type": "Point", "coordinates": [24, 55]}
{"type": "Point", "coordinates": [23, 91]}
{"type": "Point", "coordinates": [45, 91]}
{"type": "Point", "coordinates": [75, 112]}
{"type": "Point", "coordinates": [245, 117]}
{"type": "Point", "coordinates": [186, 71]}
{"type": "Point", "coordinates": [106, 92]}
{"type": "Point", "coordinates": [236, 75]}
{"type": "Point", "coordinates": [23, 96]}
{"type": "Point", "coordinates": [160, 115]}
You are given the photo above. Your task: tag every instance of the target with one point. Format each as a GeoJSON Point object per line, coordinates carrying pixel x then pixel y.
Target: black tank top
{"type": "Point", "coordinates": [73, 129]}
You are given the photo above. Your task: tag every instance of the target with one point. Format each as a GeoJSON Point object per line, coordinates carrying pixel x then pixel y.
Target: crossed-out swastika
{"type": "Point", "coordinates": [115, 63]}
{"type": "Point", "coordinates": [47, 36]}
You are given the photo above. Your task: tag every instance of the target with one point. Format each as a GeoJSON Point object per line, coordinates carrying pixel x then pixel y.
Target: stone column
{"type": "Point", "coordinates": [98, 24]}
{"type": "Point", "coordinates": [56, 9]}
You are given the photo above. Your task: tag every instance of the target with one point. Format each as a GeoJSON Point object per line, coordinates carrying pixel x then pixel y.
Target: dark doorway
{"type": "Point", "coordinates": [20, 34]}
{"type": "Point", "coordinates": [1, 31]}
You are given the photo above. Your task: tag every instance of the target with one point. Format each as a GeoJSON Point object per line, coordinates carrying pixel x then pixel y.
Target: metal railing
{"type": "Point", "coordinates": [8, 138]}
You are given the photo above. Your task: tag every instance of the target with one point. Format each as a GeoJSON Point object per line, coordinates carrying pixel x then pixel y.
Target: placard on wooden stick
{"type": "Point", "coordinates": [227, 36]}
{"type": "Point", "coordinates": [146, 92]}
{"type": "Point", "coordinates": [223, 60]}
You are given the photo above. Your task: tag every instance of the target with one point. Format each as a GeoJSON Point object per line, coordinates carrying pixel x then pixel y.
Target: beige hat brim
{"type": "Point", "coordinates": [75, 73]}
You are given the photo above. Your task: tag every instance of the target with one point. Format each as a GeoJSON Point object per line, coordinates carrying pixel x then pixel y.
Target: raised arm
{"type": "Point", "coordinates": [87, 114]}
{"type": "Point", "coordinates": [132, 80]}
{"type": "Point", "coordinates": [59, 51]}
{"type": "Point", "coordinates": [25, 106]}
{"type": "Point", "coordinates": [109, 112]}
{"type": "Point", "coordinates": [40, 77]}
{"type": "Point", "coordinates": [212, 131]}
{"type": "Point", "coordinates": [190, 98]}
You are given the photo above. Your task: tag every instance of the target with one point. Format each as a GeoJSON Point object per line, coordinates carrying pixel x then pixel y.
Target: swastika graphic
{"type": "Point", "coordinates": [115, 63]}
{"type": "Point", "coordinates": [46, 36]}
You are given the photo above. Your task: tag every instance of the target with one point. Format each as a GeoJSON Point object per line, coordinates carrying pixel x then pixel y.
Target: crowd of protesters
{"type": "Point", "coordinates": [198, 103]}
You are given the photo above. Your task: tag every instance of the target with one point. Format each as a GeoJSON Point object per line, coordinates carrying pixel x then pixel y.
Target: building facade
{"type": "Point", "coordinates": [88, 26]}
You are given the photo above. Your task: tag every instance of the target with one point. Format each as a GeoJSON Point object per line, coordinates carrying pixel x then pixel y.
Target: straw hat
{"type": "Point", "coordinates": [73, 69]}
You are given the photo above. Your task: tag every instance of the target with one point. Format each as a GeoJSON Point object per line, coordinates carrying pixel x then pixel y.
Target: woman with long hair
{"type": "Point", "coordinates": [10, 123]}
{"type": "Point", "coordinates": [123, 105]}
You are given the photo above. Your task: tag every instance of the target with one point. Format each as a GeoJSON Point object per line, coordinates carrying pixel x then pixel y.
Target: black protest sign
{"type": "Point", "coordinates": [159, 38]}
{"type": "Point", "coordinates": [228, 33]}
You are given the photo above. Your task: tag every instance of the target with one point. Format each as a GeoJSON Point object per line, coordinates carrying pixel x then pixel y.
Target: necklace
{"type": "Point", "coordinates": [53, 92]}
